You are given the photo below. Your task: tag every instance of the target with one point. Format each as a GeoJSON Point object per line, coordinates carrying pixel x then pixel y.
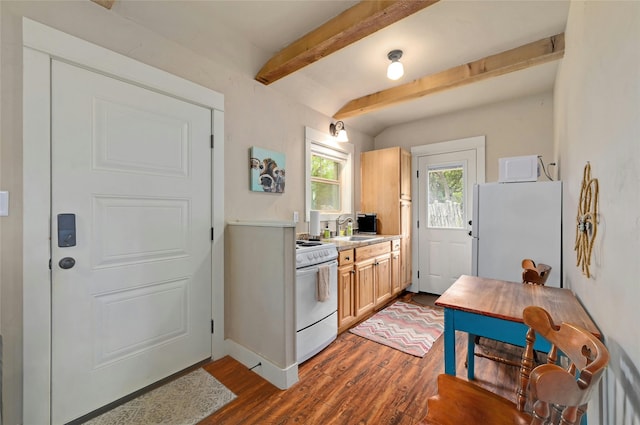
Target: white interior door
{"type": "Point", "coordinates": [134, 167]}
{"type": "Point", "coordinates": [445, 191]}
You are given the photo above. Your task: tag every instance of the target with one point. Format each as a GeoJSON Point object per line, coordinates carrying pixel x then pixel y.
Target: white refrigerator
{"type": "Point", "coordinates": [514, 221]}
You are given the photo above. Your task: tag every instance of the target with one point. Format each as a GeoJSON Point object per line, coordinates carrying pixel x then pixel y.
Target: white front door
{"type": "Point", "coordinates": [133, 167]}
{"type": "Point", "coordinates": [445, 195]}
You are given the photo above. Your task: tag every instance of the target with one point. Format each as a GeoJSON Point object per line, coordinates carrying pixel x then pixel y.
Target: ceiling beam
{"type": "Point", "coordinates": [105, 3]}
{"type": "Point", "coordinates": [352, 25]}
{"type": "Point", "coordinates": [539, 52]}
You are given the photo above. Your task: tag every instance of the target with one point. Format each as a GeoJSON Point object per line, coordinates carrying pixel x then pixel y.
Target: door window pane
{"type": "Point", "coordinates": [445, 197]}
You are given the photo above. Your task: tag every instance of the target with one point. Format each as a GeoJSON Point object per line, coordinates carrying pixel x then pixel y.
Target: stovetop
{"type": "Point", "coordinates": [304, 244]}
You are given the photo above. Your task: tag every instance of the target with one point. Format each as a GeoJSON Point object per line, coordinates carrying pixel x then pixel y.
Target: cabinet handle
{"type": "Point", "coordinates": [353, 272]}
{"type": "Point", "coordinates": [347, 258]}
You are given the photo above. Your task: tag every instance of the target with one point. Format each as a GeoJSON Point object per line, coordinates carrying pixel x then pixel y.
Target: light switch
{"type": "Point", "coordinates": [4, 203]}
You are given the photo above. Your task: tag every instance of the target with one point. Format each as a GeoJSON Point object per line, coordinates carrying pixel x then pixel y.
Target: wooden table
{"type": "Point", "coordinates": [493, 309]}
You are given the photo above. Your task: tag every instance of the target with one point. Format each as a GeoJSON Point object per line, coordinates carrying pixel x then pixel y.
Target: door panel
{"type": "Point", "coordinates": [134, 166]}
{"type": "Point", "coordinates": [444, 208]}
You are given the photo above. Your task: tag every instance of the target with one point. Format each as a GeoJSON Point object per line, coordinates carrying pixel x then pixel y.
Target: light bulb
{"type": "Point", "coordinates": [395, 70]}
{"type": "Point", "coordinates": [342, 136]}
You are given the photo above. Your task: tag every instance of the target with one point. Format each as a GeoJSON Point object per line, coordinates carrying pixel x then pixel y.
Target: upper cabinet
{"type": "Point", "coordinates": [386, 180]}
{"type": "Point", "coordinates": [405, 175]}
{"type": "Point", "coordinates": [386, 190]}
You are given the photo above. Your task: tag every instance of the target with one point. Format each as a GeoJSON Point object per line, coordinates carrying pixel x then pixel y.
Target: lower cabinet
{"type": "Point", "coordinates": [346, 297]}
{"type": "Point", "coordinates": [396, 269]}
{"type": "Point", "coordinates": [367, 279]}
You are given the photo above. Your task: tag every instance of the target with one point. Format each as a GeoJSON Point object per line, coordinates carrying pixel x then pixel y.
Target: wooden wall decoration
{"type": "Point", "coordinates": [587, 220]}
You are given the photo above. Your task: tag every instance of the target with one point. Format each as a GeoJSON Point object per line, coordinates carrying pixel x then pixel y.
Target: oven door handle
{"type": "Point", "coordinates": [314, 268]}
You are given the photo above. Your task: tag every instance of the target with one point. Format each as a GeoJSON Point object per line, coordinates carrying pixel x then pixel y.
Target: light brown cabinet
{"type": "Point", "coordinates": [386, 190]}
{"type": "Point", "coordinates": [346, 297]}
{"type": "Point", "coordinates": [364, 287]}
{"type": "Point", "coordinates": [395, 268]}
{"type": "Point", "coordinates": [365, 282]}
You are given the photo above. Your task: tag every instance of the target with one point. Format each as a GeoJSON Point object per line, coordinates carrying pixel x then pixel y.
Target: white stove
{"type": "Point", "coordinates": [316, 321]}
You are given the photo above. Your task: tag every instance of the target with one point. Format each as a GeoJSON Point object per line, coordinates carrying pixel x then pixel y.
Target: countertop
{"type": "Point", "coordinates": [343, 244]}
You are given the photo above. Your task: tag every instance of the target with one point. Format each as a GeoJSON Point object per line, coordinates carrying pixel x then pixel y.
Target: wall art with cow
{"type": "Point", "coordinates": [267, 170]}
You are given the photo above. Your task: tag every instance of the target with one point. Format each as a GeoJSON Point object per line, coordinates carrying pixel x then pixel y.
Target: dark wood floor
{"type": "Point", "coordinates": [353, 381]}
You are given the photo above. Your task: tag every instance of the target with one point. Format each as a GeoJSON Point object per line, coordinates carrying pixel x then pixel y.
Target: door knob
{"type": "Point", "coordinates": [470, 234]}
{"type": "Point", "coordinates": [67, 263]}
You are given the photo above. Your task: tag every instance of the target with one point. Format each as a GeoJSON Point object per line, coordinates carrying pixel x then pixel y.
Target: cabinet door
{"type": "Point", "coordinates": [383, 279]}
{"type": "Point", "coordinates": [346, 303]}
{"type": "Point", "coordinates": [405, 175]}
{"type": "Point", "coordinates": [395, 273]}
{"type": "Point", "coordinates": [364, 287]}
{"type": "Point", "coordinates": [405, 244]}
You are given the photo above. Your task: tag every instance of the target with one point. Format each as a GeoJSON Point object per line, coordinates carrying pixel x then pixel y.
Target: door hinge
{"type": "Point", "coordinates": [212, 141]}
{"type": "Point", "coordinates": [212, 327]}
{"type": "Point", "coordinates": [418, 274]}
{"type": "Point", "coordinates": [212, 233]}
{"type": "Point", "coordinates": [417, 174]}
{"type": "Point", "coordinates": [49, 263]}
{"type": "Point", "coordinates": [418, 224]}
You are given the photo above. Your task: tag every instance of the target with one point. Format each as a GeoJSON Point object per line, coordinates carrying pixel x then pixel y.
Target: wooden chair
{"type": "Point", "coordinates": [536, 274]}
{"type": "Point", "coordinates": [531, 274]}
{"type": "Point", "coordinates": [553, 393]}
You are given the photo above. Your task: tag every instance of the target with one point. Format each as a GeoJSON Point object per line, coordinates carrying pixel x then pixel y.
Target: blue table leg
{"type": "Point", "coordinates": [449, 342]}
{"type": "Point", "coordinates": [471, 348]}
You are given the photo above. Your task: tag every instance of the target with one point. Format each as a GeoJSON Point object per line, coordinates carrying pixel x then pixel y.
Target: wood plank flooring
{"type": "Point", "coordinates": [354, 381]}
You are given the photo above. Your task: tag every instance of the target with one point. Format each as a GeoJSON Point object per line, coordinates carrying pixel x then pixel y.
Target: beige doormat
{"type": "Point", "coordinates": [184, 401]}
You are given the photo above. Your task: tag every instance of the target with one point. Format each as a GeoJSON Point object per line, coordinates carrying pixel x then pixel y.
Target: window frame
{"type": "Point", "coordinates": [323, 144]}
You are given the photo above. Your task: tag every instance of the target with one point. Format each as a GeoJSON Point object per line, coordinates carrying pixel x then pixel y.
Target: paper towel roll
{"type": "Point", "coordinates": [314, 223]}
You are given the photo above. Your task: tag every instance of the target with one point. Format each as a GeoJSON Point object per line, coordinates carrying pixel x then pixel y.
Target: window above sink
{"type": "Point", "coordinates": [338, 185]}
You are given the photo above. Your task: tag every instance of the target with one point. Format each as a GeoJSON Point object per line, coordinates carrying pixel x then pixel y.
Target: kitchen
{"type": "Point", "coordinates": [511, 127]}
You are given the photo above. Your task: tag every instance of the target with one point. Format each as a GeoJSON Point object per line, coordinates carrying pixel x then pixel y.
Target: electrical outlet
{"type": "Point", "coordinates": [296, 217]}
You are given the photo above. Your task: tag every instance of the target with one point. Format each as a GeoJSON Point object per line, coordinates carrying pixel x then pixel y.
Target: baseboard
{"type": "Point", "coordinates": [281, 378]}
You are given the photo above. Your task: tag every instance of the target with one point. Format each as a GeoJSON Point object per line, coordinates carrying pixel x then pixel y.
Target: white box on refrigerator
{"type": "Point", "coordinates": [518, 169]}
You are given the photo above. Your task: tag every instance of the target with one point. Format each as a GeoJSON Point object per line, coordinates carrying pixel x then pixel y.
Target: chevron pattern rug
{"type": "Point", "coordinates": [406, 327]}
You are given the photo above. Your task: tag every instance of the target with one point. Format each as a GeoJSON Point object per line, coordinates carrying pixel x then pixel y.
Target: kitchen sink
{"type": "Point", "coordinates": [357, 238]}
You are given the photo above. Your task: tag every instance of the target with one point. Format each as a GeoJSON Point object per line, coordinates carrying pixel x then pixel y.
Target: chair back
{"type": "Point", "coordinates": [536, 274]}
{"type": "Point", "coordinates": [559, 395]}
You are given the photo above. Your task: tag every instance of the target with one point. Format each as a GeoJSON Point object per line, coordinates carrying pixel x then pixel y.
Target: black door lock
{"type": "Point", "coordinates": [66, 230]}
{"type": "Point", "coordinates": [67, 263]}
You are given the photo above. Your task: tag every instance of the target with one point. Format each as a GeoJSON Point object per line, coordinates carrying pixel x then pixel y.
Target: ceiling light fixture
{"type": "Point", "coordinates": [395, 69]}
{"type": "Point", "coordinates": [337, 130]}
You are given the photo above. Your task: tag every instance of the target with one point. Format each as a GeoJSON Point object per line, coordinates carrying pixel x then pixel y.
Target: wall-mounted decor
{"type": "Point", "coordinates": [267, 170]}
{"type": "Point", "coordinates": [587, 220]}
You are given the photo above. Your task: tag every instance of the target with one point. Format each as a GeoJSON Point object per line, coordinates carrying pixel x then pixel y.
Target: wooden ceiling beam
{"type": "Point", "coordinates": [352, 25]}
{"type": "Point", "coordinates": [105, 3]}
{"type": "Point", "coordinates": [539, 52]}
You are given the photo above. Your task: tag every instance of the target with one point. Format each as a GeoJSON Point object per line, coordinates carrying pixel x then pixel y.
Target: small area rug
{"type": "Point", "coordinates": [184, 401]}
{"type": "Point", "coordinates": [406, 327]}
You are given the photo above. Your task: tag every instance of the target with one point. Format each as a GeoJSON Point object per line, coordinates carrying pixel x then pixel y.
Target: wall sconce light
{"type": "Point", "coordinates": [395, 69]}
{"type": "Point", "coordinates": [337, 130]}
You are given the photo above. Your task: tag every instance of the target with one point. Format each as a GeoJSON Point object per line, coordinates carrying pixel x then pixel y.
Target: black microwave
{"type": "Point", "coordinates": [367, 223]}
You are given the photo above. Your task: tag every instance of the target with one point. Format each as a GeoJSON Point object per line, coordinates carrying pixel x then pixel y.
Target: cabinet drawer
{"type": "Point", "coordinates": [395, 245]}
{"type": "Point", "coordinates": [374, 250]}
{"type": "Point", "coordinates": [345, 257]}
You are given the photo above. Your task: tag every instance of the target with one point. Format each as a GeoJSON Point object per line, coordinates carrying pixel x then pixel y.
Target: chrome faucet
{"type": "Point", "coordinates": [340, 222]}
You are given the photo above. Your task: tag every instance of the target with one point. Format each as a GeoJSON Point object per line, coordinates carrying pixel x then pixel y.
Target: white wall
{"type": "Point", "coordinates": [517, 127]}
{"type": "Point", "coordinates": [597, 107]}
{"type": "Point", "coordinates": [255, 115]}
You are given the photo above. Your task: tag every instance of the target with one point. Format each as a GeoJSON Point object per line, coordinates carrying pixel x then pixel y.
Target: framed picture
{"type": "Point", "coordinates": [267, 169]}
